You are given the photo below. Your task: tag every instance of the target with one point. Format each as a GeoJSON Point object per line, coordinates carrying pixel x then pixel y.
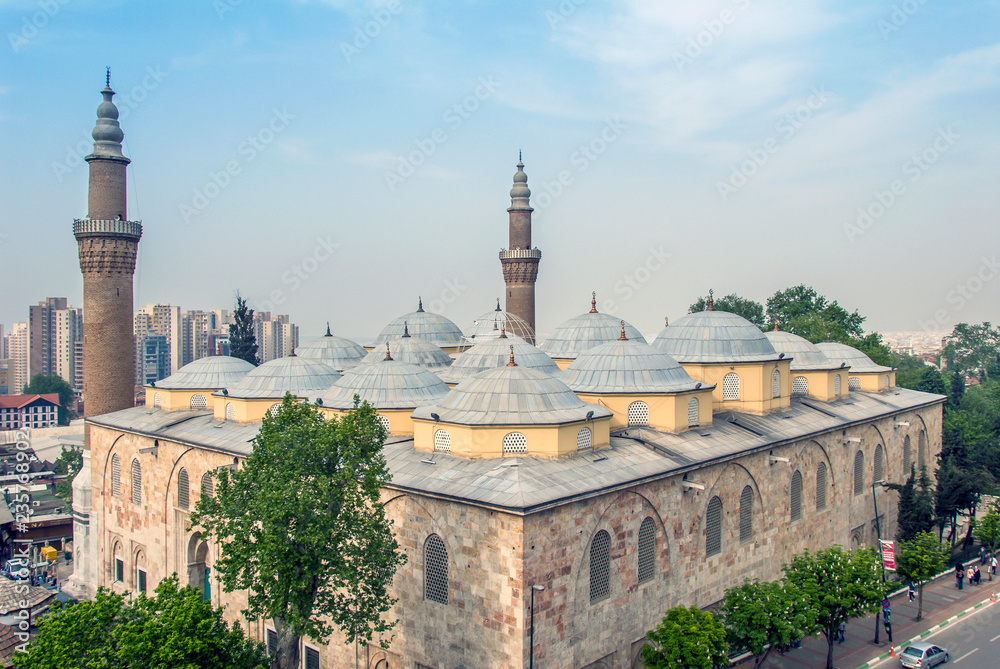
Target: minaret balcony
{"type": "Point", "coordinates": [520, 254]}
{"type": "Point", "coordinates": [88, 227]}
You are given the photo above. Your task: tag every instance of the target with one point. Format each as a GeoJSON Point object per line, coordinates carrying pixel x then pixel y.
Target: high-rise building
{"type": "Point", "coordinates": [54, 328]}
{"type": "Point", "coordinates": [276, 337]}
{"type": "Point", "coordinates": [17, 353]}
{"type": "Point", "coordinates": [152, 359]}
{"type": "Point", "coordinates": [162, 319]}
{"type": "Point", "coordinates": [519, 260]}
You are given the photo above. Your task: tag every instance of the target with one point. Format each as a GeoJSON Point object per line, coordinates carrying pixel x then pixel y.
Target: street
{"type": "Point", "coordinates": [972, 643]}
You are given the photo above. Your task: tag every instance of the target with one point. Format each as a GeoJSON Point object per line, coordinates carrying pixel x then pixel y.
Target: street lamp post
{"type": "Point", "coordinates": [531, 646]}
{"type": "Point", "coordinates": [878, 531]}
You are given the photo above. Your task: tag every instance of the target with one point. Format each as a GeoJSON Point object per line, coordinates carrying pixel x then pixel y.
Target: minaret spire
{"type": "Point", "coordinates": [520, 260]}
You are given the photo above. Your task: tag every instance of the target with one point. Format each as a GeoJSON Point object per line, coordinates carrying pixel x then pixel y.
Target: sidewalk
{"type": "Point", "coordinates": [942, 600]}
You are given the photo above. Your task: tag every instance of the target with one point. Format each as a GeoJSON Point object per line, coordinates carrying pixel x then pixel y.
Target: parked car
{"type": "Point", "coordinates": [16, 569]}
{"type": "Point", "coordinates": [922, 655]}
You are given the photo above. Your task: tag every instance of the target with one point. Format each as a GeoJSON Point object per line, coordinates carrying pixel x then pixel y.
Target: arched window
{"type": "Point", "coordinates": [775, 385]}
{"type": "Point", "coordinates": [183, 489]}
{"type": "Point", "coordinates": [731, 386]}
{"type": "Point", "coordinates": [117, 563]}
{"type": "Point", "coordinates": [647, 550]}
{"type": "Point", "coordinates": [435, 570]}
{"type": "Point", "coordinates": [859, 473]}
{"type": "Point", "coordinates": [638, 414]}
{"type": "Point", "coordinates": [207, 485]}
{"type": "Point", "coordinates": [746, 514]}
{"type": "Point", "coordinates": [230, 411]}
{"type": "Point", "coordinates": [384, 422]}
{"type": "Point", "coordinates": [515, 442]}
{"type": "Point", "coordinates": [116, 476]}
{"type": "Point", "coordinates": [157, 400]}
{"type": "Point", "coordinates": [885, 381]}
{"type": "Point", "coordinates": [442, 441]}
{"type": "Point", "coordinates": [800, 385]}
{"type": "Point", "coordinates": [199, 402]}
{"type": "Point", "coordinates": [878, 463]}
{"type": "Point", "coordinates": [584, 439]}
{"type": "Point", "coordinates": [796, 496]}
{"type": "Point", "coordinates": [821, 486]}
{"type": "Point", "coordinates": [693, 412]}
{"type": "Point", "coordinates": [907, 457]}
{"type": "Point", "coordinates": [600, 566]}
{"type": "Point", "coordinates": [136, 482]}
{"type": "Point", "coordinates": [713, 528]}
{"type": "Point", "coordinates": [274, 409]}
{"type": "Point", "coordinates": [854, 383]}
{"type": "Point", "coordinates": [836, 384]}
{"type": "Point", "coordinates": [921, 450]}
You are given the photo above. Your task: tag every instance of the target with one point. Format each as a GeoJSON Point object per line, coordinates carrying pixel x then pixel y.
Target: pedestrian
{"type": "Point", "coordinates": [911, 591]}
{"type": "Point", "coordinates": [842, 630]}
{"type": "Point", "coordinates": [978, 574]}
{"type": "Point", "coordinates": [959, 576]}
{"type": "Point", "coordinates": [970, 574]}
{"type": "Point", "coordinates": [982, 555]}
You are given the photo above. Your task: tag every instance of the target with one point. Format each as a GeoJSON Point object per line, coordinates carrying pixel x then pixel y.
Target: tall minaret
{"type": "Point", "coordinates": [520, 261]}
{"type": "Point", "coordinates": [108, 243]}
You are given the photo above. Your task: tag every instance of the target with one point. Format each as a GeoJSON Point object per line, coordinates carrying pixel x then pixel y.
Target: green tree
{"type": "Point", "coordinates": [765, 616]}
{"type": "Point", "coordinates": [733, 303]}
{"type": "Point", "coordinates": [301, 527]}
{"type": "Point", "coordinates": [689, 638]}
{"type": "Point", "coordinates": [42, 384]}
{"type": "Point", "coordinates": [987, 530]}
{"type": "Point", "coordinates": [956, 387]}
{"type": "Point", "coordinates": [802, 311]}
{"type": "Point", "coordinates": [972, 349]}
{"type": "Point", "coordinates": [959, 485]}
{"type": "Point", "coordinates": [175, 629]}
{"type": "Point", "coordinates": [242, 336]}
{"type": "Point", "coordinates": [918, 561]}
{"type": "Point", "coordinates": [839, 585]}
{"type": "Point", "coordinates": [915, 508]}
{"type": "Point", "coordinates": [69, 464]}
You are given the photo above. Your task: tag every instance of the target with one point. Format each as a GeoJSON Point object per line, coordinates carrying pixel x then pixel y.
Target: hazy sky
{"type": "Point", "coordinates": [334, 160]}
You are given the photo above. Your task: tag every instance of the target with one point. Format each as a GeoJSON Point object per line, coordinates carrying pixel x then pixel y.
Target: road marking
{"type": "Point", "coordinates": [995, 638]}
{"type": "Point", "coordinates": [966, 655]}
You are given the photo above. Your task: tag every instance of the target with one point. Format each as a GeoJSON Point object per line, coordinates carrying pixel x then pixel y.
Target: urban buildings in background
{"type": "Point", "coordinates": [49, 342]}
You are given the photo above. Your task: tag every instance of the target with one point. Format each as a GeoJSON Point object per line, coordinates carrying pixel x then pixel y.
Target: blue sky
{"type": "Point", "coordinates": [334, 160]}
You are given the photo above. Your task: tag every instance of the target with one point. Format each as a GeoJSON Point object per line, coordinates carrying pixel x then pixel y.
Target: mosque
{"type": "Point", "coordinates": [581, 485]}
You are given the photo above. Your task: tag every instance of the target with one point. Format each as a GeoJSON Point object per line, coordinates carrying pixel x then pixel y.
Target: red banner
{"type": "Point", "coordinates": [888, 555]}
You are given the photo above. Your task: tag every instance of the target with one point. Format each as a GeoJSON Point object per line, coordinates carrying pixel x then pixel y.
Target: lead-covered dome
{"type": "Point", "coordinates": [387, 384]}
{"type": "Point", "coordinates": [491, 324]}
{"type": "Point", "coordinates": [512, 395]}
{"type": "Point", "coordinates": [434, 328]}
{"type": "Point", "coordinates": [293, 374]}
{"type": "Point", "coordinates": [714, 337]}
{"type": "Point", "coordinates": [805, 355]}
{"type": "Point", "coordinates": [586, 331]}
{"type": "Point", "coordinates": [413, 350]}
{"type": "Point", "coordinates": [855, 359]}
{"type": "Point", "coordinates": [211, 373]}
{"type": "Point", "coordinates": [626, 367]}
{"type": "Point", "coordinates": [494, 353]}
{"type": "Point", "coordinates": [337, 352]}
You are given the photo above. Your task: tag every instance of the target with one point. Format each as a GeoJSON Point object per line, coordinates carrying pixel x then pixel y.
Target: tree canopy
{"type": "Point", "coordinates": [733, 303]}
{"type": "Point", "coordinates": [689, 638]}
{"type": "Point", "coordinates": [761, 617]}
{"type": "Point", "coordinates": [42, 384]}
{"type": "Point", "coordinates": [803, 311]}
{"type": "Point", "coordinates": [918, 561]}
{"type": "Point", "coordinates": [242, 336]}
{"type": "Point", "coordinates": [973, 350]}
{"type": "Point", "coordinates": [915, 506]}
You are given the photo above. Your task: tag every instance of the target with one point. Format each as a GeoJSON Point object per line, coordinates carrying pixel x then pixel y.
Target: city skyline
{"type": "Point", "coordinates": [744, 147]}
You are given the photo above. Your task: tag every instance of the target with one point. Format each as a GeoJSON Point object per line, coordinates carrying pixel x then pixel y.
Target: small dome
{"type": "Point", "coordinates": [715, 337]}
{"type": "Point", "coordinates": [627, 367]}
{"type": "Point", "coordinates": [492, 323]}
{"type": "Point", "coordinates": [387, 384]}
{"type": "Point", "coordinates": [805, 355]}
{"type": "Point", "coordinates": [855, 359]}
{"type": "Point", "coordinates": [413, 350]}
{"type": "Point", "coordinates": [511, 396]}
{"type": "Point", "coordinates": [336, 352]}
{"type": "Point", "coordinates": [211, 373]}
{"type": "Point", "coordinates": [494, 353]}
{"type": "Point", "coordinates": [434, 328]}
{"type": "Point", "coordinates": [586, 331]}
{"type": "Point", "coordinates": [301, 377]}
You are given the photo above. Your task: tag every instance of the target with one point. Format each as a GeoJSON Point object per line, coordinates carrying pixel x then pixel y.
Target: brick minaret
{"type": "Point", "coordinates": [519, 260]}
{"type": "Point", "coordinates": [108, 243]}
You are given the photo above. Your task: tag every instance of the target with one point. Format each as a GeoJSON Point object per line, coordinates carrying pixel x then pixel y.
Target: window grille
{"type": "Point", "coordinates": [821, 486]}
{"type": "Point", "coordinates": [693, 412]}
{"type": "Point", "coordinates": [800, 385]}
{"type": "Point", "coordinates": [647, 550]}
{"type": "Point", "coordinates": [136, 482]}
{"type": "Point", "coordinates": [746, 514]}
{"type": "Point", "coordinates": [907, 457]}
{"type": "Point", "coordinates": [878, 463]}
{"type": "Point", "coordinates": [921, 450]}
{"type": "Point", "coordinates": [384, 422]}
{"type": "Point", "coordinates": [183, 489]}
{"type": "Point", "coordinates": [638, 414]}
{"type": "Point", "coordinates": [442, 441]}
{"type": "Point", "coordinates": [207, 485]}
{"type": "Point", "coordinates": [515, 442]}
{"type": "Point", "coordinates": [859, 473]}
{"type": "Point", "coordinates": [435, 570]}
{"type": "Point", "coordinates": [199, 402]}
{"type": "Point", "coordinates": [600, 566]}
{"type": "Point", "coordinates": [775, 385]}
{"type": "Point", "coordinates": [713, 528]}
{"type": "Point", "coordinates": [854, 383]}
{"type": "Point", "coordinates": [141, 580]}
{"type": "Point", "coordinates": [583, 439]}
{"type": "Point", "coordinates": [273, 410]}
{"type": "Point", "coordinates": [272, 641]}
{"type": "Point", "coordinates": [836, 384]}
{"type": "Point", "coordinates": [119, 570]}
{"type": "Point", "coordinates": [731, 386]}
{"type": "Point", "coordinates": [157, 400]}
{"type": "Point", "coordinates": [312, 658]}
{"type": "Point", "coordinates": [796, 496]}
{"type": "Point", "coordinates": [116, 476]}
{"type": "Point", "coordinates": [230, 411]}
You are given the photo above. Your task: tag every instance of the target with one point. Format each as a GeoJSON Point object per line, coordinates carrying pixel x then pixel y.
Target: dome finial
{"type": "Point", "coordinates": [328, 333]}
{"type": "Point", "coordinates": [292, 354]}
{"type": "Point", "coordinates": [775, 319]}
{"type": "Point", "coordinates": [593, 302]}
{"type": "Point", "coordinates": [666, 322]}
{"type": "Point", "coordinates": [494, 325]}
{"type": "Point", "coordinates": [107, 77]}
{"type": "Point", "coordinates": [498, 305]}
{"type": "Point", "coordinates": [388, 355]}
{"type": "Point", "coordinates": [406, 329]}
{"type": "Point", "coordinates": [512, 363]}
{"type": "Point", "coordinates": [711, 300]}
{"type": "Point", "coordinates": [503, 330]}
{"type": "Point", "coordinates": [623, 337]}
{"type": "Point", "coordinates": [420, 304]}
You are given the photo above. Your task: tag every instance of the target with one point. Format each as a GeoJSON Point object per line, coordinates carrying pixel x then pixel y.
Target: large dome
{"type": "Point", "coordinates": [805, 355]}
{"type": "Point", "coordinates": [434, 328]}
{"type": "Point", "coordinates": [493, 353]}
{"type": "Point", "coordinates": [211, 373]}
{"type": "Point", "coordinates": [413, 350]}
{"type": "Point", "coordinates": [715, 337]}
{"type": "Point", "coordinates": [586, 331]}
{"type": "Point", "coordinates": [855, 359]}
{"type": "Point", "coordinates": [511, 396]}
{"type": "Point", "coordinates": [336, 352]}
{"type": "Point", "coordinates": [627, 366]}
{"type": "Point", "coordinates": [492, 323]}
{"type": "Point", "coordinates": [299, 376]}
{"type": "Point", "coordinates": [387, 384]}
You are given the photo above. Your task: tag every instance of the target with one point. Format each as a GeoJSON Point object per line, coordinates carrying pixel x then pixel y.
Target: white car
{"type": "Point", "coordinates": [922, 655]}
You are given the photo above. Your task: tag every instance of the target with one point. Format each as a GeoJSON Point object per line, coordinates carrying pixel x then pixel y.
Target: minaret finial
{"type": "Point", "coordinates": [512, 363]}
{"type": "Point", "coordinates": [406, 329]}
{"type": "Point", "coordinates": [623, 337]}
{"type": "Point", "coordinates": [107, 77]}
{"type": "Point", "coordinates": [503, 330]}
{"type": "Point", "coordinates": [593, 302]}
{"type": "Point", "coordinates": [711, 300]}
{"type": "Point", "coordinates": [388, 355]}
{"type": "Point", "coordinates": [420, 304]}
{"type": "Point", "coordinates": [328, 333]}
{"type": "Point", "coordinates": [518, 151]}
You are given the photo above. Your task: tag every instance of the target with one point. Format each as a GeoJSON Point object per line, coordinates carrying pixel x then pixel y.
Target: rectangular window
{"type": "Point", "coordinates": [141, 580]}
{"type": "Point", "coordinates": [272, 641]}
{"type": "Point", "coordinates": [119, 570]}
{"type": "Point", "coordinates": [311, 658]}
